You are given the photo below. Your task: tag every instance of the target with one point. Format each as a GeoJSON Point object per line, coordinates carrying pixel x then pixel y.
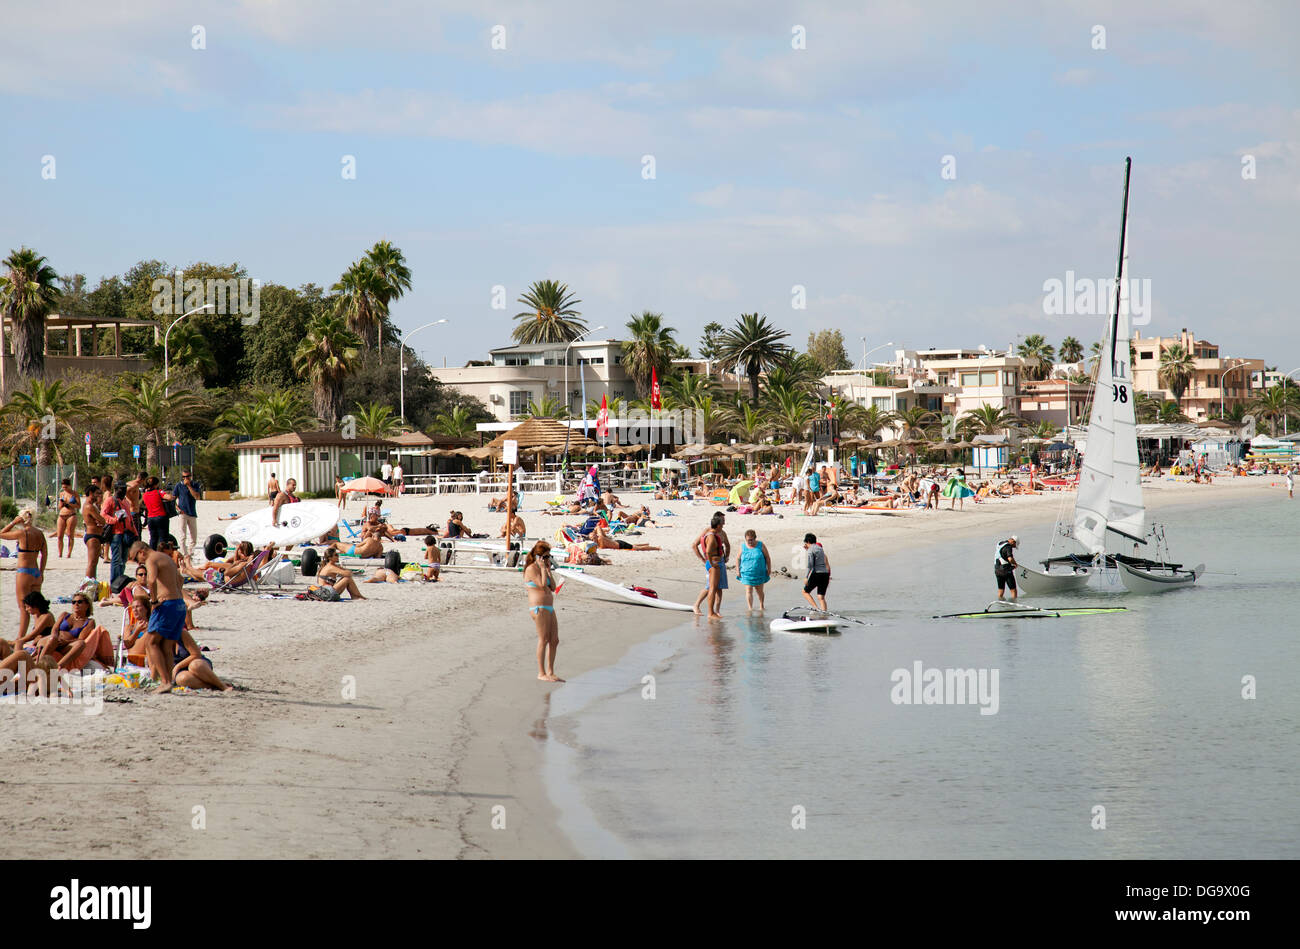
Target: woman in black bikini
{"type": "Point", "coordinates": [540, 585]}
{"type": "Point", "coordinates": [95, 525]}
{"type": "Point", "coordinates": [69, 501]}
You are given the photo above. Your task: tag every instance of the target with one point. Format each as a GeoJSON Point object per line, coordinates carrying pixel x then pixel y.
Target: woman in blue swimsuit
{"type": "Point", "coordinates": [33, 552]}
{"type": "Point", "coordinates": [540, 584]}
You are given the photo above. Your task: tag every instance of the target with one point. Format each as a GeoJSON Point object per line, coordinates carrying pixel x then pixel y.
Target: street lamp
{"type": "Point", "coordinates": [866, 353]}
{"type": "Point", "coordinates": [166, 354]}
{"type": "Point", "coordinates": [1223, 407]}
{"type": "Point", "coordinates": [401, 358]}
{"type": "Point", "coordinates": [1285, 414]}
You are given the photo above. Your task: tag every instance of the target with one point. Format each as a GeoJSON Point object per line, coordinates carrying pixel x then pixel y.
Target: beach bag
{"type": "Point", "coordinates": [645, 591]}
{"type": "Point", "coordinates": [322, 593]}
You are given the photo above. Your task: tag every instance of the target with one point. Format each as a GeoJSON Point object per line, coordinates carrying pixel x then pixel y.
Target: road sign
{"type": "Point", "coordinates": [108, 454]}
{"type": "Point", "coordinates": [25, 461]}
{"type": "Point", "coordinates": [510, 452]}
{"type": "Point", "coordinates": [135, 451]}
{"type": "Point", "coordinates": [88, 448]}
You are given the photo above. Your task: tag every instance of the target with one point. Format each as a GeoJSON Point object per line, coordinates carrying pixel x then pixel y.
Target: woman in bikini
{"type": "Point", "coordinates": [79, 639]}
{"type": "Point", "coordinates": [714, 549]}
{"type": "Point", "coordinates": [334, 575]}
{"type": "Point", "coordinates": [28, 648]}
{"type": "Point", "coordinates": [95, 525]}
{"type": "Point", "coordinates": [540, 586]}
{"type": "Point", "coordinates": [66, 524]}
{"type": "Point", "coordinates": [193, 670]}
{"type": "Point", "coordinates": [33, 553]}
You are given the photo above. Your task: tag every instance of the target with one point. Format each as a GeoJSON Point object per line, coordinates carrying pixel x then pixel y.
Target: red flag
{"type": "Point", "coordinates": [602, 418]}
{"type": "Point", "coordinates": [654, 389]}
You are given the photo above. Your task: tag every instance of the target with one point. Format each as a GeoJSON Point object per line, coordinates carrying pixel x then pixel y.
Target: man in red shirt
{"type": "Point", "coordinates": [117, 512]}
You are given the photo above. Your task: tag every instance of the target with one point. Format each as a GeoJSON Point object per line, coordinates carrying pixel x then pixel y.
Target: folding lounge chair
{"type": "Point", "coordinates": [247, 582]}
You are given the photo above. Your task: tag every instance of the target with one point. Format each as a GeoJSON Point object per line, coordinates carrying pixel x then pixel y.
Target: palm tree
{"type": "Point", "coordinates": [325, 357]}
{"type": "Point", "coordinates": [29, 290]}
{"type": "Point", "coordinates": [187, 346]}
{"type": "Point", "coordinates": [1275, 403]}
{"type": "Point", "coordinates": [376, 420]}
{"type": "Point", "coordinates": [789, 410]}
{"type": "Point", "coordinates": [1071, 350]}
{"type": "Point", "coordinates": [1044, 429]}
{"type": "Point", "coordinates": [244, 420]}
{"type": "Point", "coordinates": [747, 423]}
{"type": "Point", "coordinates": [650, 346]}
{"type": "Point", "coordinates": [392, 276]}
{"type": "Point", "coordinates": [1177, 367]}
{"type": "Point", "coordinates": [360, 294]}
{"type": "Point", "coordinates": [1145, 408]}
{"type": "Point", "coordinates": [548, 318]}
{"type": "Point", "coordinates": [870, 421]}
{"type": "Point", "coordinates": [683, 389]}
{"type": "Point", "coordinates": [990, 419]}
{"type": "Point", "coordinates": [755, 344]}
{"type": "Point", "coordinates": [40, 413]}
{"type": "Point", "coordinates": [1037, 348]}
{"type": "Point", "coordinates": [1170, 413]}
{"type": "Point", "coordinates": [550, 407]}
{"type": "Point", "coordinates": [615, 406]}
{"type": "Point", "coordinates": [458, 423]}
{"type": "Point", "coordinates": [143, 401]}
{"type": "Point", "coordinates": [285, 410]}
{"type": "Point", "coordinates": [915, 421]}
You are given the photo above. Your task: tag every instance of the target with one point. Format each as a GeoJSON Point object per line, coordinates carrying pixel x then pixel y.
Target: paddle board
{"type": "Point", "coordinates": [299, 522]}
{"type": "Point", "coordinates": [626, 593]}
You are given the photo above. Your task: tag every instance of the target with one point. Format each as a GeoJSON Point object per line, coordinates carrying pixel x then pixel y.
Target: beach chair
{"type": "Point", "coordinates": [247, 581]}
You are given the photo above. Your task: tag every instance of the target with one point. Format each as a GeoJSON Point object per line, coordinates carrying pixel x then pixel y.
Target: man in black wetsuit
{"type": "Point", "coordinates": [1004, 568]}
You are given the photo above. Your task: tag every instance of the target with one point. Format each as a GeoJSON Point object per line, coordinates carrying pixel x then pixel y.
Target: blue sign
{"type": "Point", "coordinates": [25, 461]}
{"type": "Point", "coordinates": [135, 451]}
{"type": "Point", "coordinates": [108, 454]}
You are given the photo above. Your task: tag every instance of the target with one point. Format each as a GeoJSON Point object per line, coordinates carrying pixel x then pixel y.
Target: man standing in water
{"type": "Point", "coordinates": [819, 572]}
{"type": "Point", "coordinates": [167, 619]}
{"type": "Point", "coordinates": [1004, 568]}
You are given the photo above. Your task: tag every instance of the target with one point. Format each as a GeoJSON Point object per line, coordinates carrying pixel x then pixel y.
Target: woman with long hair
{"type": "Point", "coordinates": [33, 553]}
{"type": "Point", "coordinates": [66, 525]}
{"type": "Point", "coordinates": [539, 583]}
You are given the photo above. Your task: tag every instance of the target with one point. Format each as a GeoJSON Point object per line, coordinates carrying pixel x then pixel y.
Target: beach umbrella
{"type": "Point", "coordinates": [366, 485]}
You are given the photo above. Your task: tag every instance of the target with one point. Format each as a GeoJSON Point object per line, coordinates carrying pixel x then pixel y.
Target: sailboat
{"type": "Point", "coordinates": [1108, 500]}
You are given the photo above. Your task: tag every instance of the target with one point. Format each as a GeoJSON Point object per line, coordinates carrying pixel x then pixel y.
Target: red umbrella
{"type": "Point", "coordinates": [368, 485]}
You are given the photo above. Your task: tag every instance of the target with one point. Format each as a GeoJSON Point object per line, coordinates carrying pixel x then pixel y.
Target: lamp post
{"type": "Point", "coordinates": [1285, 414]}
{"type": "Point", "coordinates": [166, 353]}
{"type": "Point", "coordinates": [401, 359]}
{"type": "Point", "coordinates": [866, 352]}
{"type": "Point", "coordinates": [1223, 398]}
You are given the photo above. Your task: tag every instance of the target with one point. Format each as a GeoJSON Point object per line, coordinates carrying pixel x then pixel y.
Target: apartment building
{"type": "Point", "coordinates": [1217, 383]}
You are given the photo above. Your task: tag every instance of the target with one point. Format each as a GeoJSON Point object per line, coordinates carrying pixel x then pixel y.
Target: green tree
{"type": "Point", "coordinates": [144, 402]}
{"type": "Point", "coordinates": [711, 340]}
{"type": "Point", "coordinates": [1177, 366]}
{"type": "Point", "coordinates": [457, 423]}
{"type": "Point", "coordinates": [990, 419]}
{"type": "Point", "coordinates": [285, 410]}
{"type": "Point", "coordinates": [1071, 350]}
{"type": "Point", "coordinates": [826, 348]}
{"type": "Point", "coordinates": [1275, 404]}
{"type": "Point", "coordinates": [244, 420]}
{"type": "Point", "coordinates": [359, 292]}
{"type": "Point", "coordinates": [1040, 352]}
{"type": "Point", "coordinates": [270, 343]}
{"type": "Point", "coordinates": [550, 317]}
{"type": "Point", "coordinates": [649, 347]}
{"type": "Point", "coordinates": [550, 407]}
{"type": "Point", "coordinates": [392, 276]}
{"type": "Point", "coordinates": [756, 345]}
{"type": "Point", "coordinates": [376, 421]}
{"type": "Point", "coordinates": [746, 422]}
{"type": "Point", "coordinates": [1170, 413]}
{"type": "Point", "coordinates": [39, 414]}
{"type": "Point", "coordinates": [326, 356]}
{"type": "Point", "coordinates": [685, 388]}
{"type": "Point", "coordinates": [29, 292]}
{"type": "Point", "coordinates": [789, 410]}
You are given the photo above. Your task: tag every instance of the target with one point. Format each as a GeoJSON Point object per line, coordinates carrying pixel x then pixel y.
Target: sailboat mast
{"type": "Point", "coordinates": [1119, 268]}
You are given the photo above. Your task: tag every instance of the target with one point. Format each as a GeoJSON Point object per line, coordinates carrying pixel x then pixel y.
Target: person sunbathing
{"type": "Point", "coordinates": [610, 500]}
{"type": "Point", "coordinates": [35, 643]}
{"type": "Point", "coordinates": [334, 575]}
{"type": "Point", "coordinates": [605, 541]}
{"type": "Point", "coordinates": [497, 505]}
{"type": "Point", "coordinates": [517, 528]}
{"type": "Point", "coordinates": [137, 587]}
{"type": "Point", "coordinates": [235, 569]}
{"type": "Point", "coordinates": [585, 555]}
{"type": "Point", "coordinates": [370, 544]}
{"type": "Point", "coordinates": [637, 518]}
{"type": "Point", "coordinates": [137, 625]}
{"type": "Point", "coordinates": [82, 640]}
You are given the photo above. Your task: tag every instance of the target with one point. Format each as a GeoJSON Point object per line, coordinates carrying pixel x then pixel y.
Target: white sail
{"type": "Point", "coordinates": [1110, 487]}
{"type": "Point", "coordinates": [1127, 514]}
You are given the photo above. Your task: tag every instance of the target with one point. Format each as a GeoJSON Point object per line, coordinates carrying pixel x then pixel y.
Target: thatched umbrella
{"type": "Point", "coordinates": [546, 435]}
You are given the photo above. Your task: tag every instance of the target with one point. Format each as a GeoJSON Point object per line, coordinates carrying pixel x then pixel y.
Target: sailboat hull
{"type": "Point", "coordinates": [1140, 581]}
{"type": "Point", "coordinates": [1037, 583]}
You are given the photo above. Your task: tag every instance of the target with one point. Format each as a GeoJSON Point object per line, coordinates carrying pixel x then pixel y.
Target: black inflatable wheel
{"type": "Point", "coordinates": [310, 562]}
{"type": "Point", "coordinates": [393, 561]}
{"type": "Point", "coordinates": [214, 547]}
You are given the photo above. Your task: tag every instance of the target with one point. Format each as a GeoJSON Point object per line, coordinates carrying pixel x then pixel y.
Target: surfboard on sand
{"type": "Point", "coordinates": [299, 522]}
{"type": "Point", "coordinates": [626, 593]}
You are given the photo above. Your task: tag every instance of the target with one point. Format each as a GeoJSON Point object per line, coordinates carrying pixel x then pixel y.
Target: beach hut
{"type": "Point", "coordinates": [313, 459]}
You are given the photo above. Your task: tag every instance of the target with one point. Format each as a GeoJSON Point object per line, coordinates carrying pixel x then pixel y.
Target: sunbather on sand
{"type": "Point", "coordinates": [497, 505]}
{"type": "Point", "coordinates": [517, 528]}
{"type": "Point", "coordinates": [338, 577]}
{"type": "Point", "coordinates": [81, 639]}
{"type": "Point", "coordinates": [607, 542]}
{"type": "Point", "coordinates": [35, 642]}
{"type": "Point", "coordinates": [370, 543]}
{"type": "Point", "coordinates": [610, 500]}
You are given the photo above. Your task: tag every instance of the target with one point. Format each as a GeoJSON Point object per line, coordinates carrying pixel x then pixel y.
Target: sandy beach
{"type": "Point", "coordinates": [441, 743]}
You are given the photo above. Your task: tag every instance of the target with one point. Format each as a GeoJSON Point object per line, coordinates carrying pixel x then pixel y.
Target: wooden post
{"type": "Point", "coordinates": [510, 502]}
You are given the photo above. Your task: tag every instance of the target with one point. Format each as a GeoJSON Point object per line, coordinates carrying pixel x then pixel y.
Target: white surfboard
{"type": "Point", "coordinates": [619, 590]}
{"type": "Point", "coordinates": [810, 622]}
{"type": "Point", "coordinates": [299, 522]}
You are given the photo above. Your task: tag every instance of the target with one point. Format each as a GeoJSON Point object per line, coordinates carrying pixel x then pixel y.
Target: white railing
{"type": "Point", "coordinates": [547, 481]}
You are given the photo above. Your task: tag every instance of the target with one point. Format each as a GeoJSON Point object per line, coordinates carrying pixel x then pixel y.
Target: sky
{"type": "Point", "coordinates": [919, 169]}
